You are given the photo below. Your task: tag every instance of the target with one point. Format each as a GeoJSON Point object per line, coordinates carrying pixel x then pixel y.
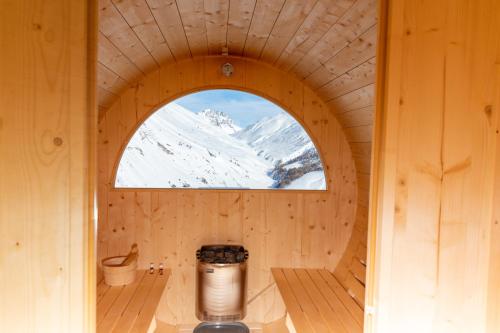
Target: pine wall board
{"type": "Point", "coordinates": [433, 253]}
{"type": "Point", "coordinates": [46, 121]}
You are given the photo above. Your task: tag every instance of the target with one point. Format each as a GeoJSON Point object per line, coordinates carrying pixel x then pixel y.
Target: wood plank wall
{"type": "Point", "coordinates": [299, 229]}
{"type": "Point", "coordinates": [433, 239]}
{"type": "Point", "coordinates": [46, 94]}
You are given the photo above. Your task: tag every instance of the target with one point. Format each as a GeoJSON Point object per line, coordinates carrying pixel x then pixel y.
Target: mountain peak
{"type": "Point", "coordinates": [220, 119]}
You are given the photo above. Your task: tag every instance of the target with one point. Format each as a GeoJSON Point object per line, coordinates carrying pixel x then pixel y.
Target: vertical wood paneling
{"type": "Point", "coordinates": [46, 122]}
{"type": "Point", "coordinates": [437, 135]}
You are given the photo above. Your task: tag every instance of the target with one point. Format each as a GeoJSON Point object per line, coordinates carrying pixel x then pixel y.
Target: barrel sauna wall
{"type": "Point", "coordinates": [280, 228]}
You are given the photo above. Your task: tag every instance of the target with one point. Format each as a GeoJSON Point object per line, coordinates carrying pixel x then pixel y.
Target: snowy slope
{"type": "Point", "coordinates": [311, 180]}
{"type": "Point", "coordinates": [277, 138]}
{"type": "Point", "coordinates": [178, 148]}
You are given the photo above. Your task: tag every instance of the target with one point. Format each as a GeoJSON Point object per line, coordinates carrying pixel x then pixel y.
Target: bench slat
{"type": "Point", "coordinates": [305, 302]}
{"type": "Point", "coordinates": [101, 290]}
{"type": "Point", "coordinates": [115, 312]}
{"type": "Point", "coordinates": [335, 303]}
{"type": "Point", "coordinates": [297, 315]}
{"type": "Point", "coordinates": [131, 307]}
{"type": "Point", "coordinates": [148, 310]}
{"type": "Point", "coordinates": [107, 302]}
{"type": "Point", "coordinates": [329, 316]}
{"type": "Point", "coordinates": [316, 302]}
{"type": "Point", "coordinates": [346, 299]}
{"type": "Point", "coordinates": [134, 307]}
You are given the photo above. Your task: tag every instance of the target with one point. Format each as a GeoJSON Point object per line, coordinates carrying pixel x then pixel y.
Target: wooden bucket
{"type": "Point", "coordinates": [120, 270]}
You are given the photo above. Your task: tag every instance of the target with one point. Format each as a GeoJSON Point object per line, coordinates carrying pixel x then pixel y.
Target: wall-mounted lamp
{"type": "Point", "coordinates": [227, 69]}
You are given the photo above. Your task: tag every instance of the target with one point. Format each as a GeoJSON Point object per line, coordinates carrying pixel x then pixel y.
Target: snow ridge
{"type": "Point", "coordinates": [220, 119]}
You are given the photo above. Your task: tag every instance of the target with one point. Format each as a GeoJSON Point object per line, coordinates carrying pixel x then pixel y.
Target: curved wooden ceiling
{"type": "Point", "coordinates": [330, 44]}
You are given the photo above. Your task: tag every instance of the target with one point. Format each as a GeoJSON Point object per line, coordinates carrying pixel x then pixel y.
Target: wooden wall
{"type": "Point", "coordinates": [433, 254]}
{"type": "Point", "coordinates": [46, 117]}
{"type": "Point", "coordinates": [280, 228]}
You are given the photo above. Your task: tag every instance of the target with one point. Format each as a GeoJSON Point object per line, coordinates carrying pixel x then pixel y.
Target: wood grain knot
{"type": "Point", "coordinates": [488, 110]}
{"type": "Point", "coordinates": [57, 141]}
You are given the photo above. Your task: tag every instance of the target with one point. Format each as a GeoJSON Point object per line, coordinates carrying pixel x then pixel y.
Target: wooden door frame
{"type": "Point", "coordinates": [90, 234]}
{"type": "Point", "coordinates": [376, 181]}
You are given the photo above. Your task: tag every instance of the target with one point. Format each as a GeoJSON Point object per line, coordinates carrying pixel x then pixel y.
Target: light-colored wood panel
{"type": "Point", "coordinates": [131, 308]}
{"type": "Point", "coordinates": [101, 289]}
{"type": "Point", "coordinates": [358, 270]}
{"type": "Point", "coordinates": [115, 28]}
{"type": "Point", "coordinates": [313, 303]}
{"type": "Point", "coordinates": [216, 17]}
{"type": "Point", "coordinates": [360, 117]}
{"type": "Point", "coordinates": [240, 16]}
{"type": "Point", "coordinates": [144, 319]}
{"type": "Point", "coordinates": [346, 299]}
{"type": "Point", "coordinates": [111, 57]}
{"type": "Point", "coordinates": [106, 303]}
{"type": "Point", "coordinates": [321, 18]}
{"type": "Point", "coordinates": [106, 98]}
{"type": "Point", "coordinates": [109, 80]}
{"type": "Point", "coordinates": [354, 100]}
{"type": "Point", "coordinates": [277, 227]}
{"type": "Point", "coordinates": [494, 275]}
{"type": "Point", "coordinates": [109, 315]}
{"type": "Point", "coordinates": [192, 14]}
{"type": "Point", "coordinates": [359, 134]}
{"type": "Point", "coordinates": [169, 21]}
{"type": "Point", "coordinates": [327, 314]}
{"type": "Point", "coordinates": [139, 17]}
{"type": "Point", "coordinates": [299, 319]}
{"type": "Point", "coordinates": [264, 16]}
{"type": "Point", "coordinates": [353, 55]}
{"type": "Point", "coordinates": [358, 19]}
{"type": "Point", "coordinates": [435, 168]}
{"type": "Point", "coordinates": [305, 302]}
{"type": "Point", "coordinates": [354, 79]}
{"type": "Point", "coordinates": [47, 119]}
{"type": "Point", "coordinates": [291, 17]}
{"type": "Point", "coordinates": [335, 303]}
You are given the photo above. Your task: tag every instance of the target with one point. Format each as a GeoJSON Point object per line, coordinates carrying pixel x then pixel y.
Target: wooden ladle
{"type": "Point", "coordinates": [131, 256]}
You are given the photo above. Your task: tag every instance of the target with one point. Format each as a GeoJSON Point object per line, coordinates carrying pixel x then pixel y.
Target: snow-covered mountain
{"type": "Point", "coordinates": [178, 148]}
{"type": "Point", "coordinates": [221, 120]}
{"type": "Point", "coordinates": [284, 142]}
{"type": "Point", "coordinates": [277, 138]}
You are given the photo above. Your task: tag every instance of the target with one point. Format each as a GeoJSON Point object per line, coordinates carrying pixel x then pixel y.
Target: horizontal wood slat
{"type": "Point", "coordinates": [316, 302]}
{"type": "Point", "coordinates": [130, 308]}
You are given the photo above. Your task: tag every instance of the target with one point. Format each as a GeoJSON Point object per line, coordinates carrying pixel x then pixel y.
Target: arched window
{"type": "Point", "coordinates": [221, 139]}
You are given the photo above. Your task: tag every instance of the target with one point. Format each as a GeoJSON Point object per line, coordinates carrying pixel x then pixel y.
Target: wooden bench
{"type": "Point", "coordinates": [316, 301]}
{"type": "Point", "coordinates": [130, 308]}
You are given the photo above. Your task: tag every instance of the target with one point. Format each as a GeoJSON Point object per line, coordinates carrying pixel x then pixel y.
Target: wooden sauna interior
{"type": "Point", "coordinates": [316, 59]}
{"type": "Point", "coordinates": [401, 98]}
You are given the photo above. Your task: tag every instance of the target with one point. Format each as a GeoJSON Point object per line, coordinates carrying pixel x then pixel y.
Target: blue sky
{"type": "Point", "coordinates": [244, 108]}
